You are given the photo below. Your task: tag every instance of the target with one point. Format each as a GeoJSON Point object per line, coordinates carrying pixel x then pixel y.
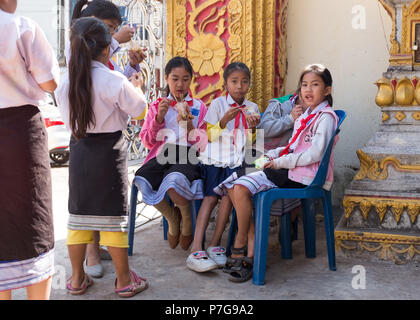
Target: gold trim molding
{"type": "Point", "coordinates": [383, 244]}
{"type": "Point", "coordinates": [377, 170]}
{"type": "Point", "coordinates": [381, 206]}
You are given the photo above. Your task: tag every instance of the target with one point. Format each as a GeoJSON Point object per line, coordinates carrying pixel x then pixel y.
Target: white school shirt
{"type": "Point", "coordinates": [175, 133]}
{"type": "Point", "coordinates": [26, 60]}
{"type": "Point", "coordinates": [222, 152]}
{"type": "Point", "coordinates": [114, 99]}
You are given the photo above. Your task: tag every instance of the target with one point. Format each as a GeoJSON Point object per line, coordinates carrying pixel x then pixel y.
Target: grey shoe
{"type": "Point", "coordinates": [104, 254]}
{"type": "Point", "coordinates": [96, 271]}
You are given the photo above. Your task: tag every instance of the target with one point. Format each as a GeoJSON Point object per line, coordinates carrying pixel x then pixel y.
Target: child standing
{"type": "Point", "coordinates": [109, 13]}
{"type": "Point", "coordinates": [228, 119]}
{"type": "Point", "coordinates": [292, 166]}
{"type": "Point", "coordinates": [95, 103]}
{"type": "Point", "coordinates": [174, 131]}
{"type": "Point", "coordinates": [28, 68]}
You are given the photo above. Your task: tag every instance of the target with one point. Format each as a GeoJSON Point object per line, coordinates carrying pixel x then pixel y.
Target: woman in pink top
{"type": "Point", "coordinates": [293, 166]}
{"type": "Point", "coordinates": [28, 68]}
{"type": "Point", "coordinates": [174, 131]}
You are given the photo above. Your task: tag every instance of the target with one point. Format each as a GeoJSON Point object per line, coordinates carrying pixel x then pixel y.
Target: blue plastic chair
{"type": "Point", "coordinates": [263, 201]}
{"type": "Point", "coordinates": [195, 207]}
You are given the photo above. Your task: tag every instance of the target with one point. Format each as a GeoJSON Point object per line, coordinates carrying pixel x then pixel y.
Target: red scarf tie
{"type": "Point", "coordinates": [110, 65]}
{"type": "Point", "coordinates": [303, 124]}
{"type": "Point", "coordinates": [240, 116]}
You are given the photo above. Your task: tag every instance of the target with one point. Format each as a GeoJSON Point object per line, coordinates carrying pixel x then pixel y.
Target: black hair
{"type": "Point", "coordinates": [101, 9]}
{"type": "Point", "coordinates": [236, 66]}
{"type": "Point", "coordinates": [323, 73]}
{"type": "Point", "coordinates": [177, 62]}
{"type": "Point", "coordinates": [89, 37]}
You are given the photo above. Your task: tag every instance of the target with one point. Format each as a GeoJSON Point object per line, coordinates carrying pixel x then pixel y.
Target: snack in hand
{"type": "Point", "coordinates": [260, 162]}
{"type": "Point", "coordinates": [182, 110]}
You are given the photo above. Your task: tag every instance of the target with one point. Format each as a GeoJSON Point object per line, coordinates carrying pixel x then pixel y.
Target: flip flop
{"type": "Point", "coordinates": [86, 283]}
{"type": "Point", "coordinates": [137, 285]}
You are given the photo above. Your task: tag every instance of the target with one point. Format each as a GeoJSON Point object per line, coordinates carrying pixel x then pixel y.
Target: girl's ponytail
{"type": "Point", "coordinates": [77, 11]}
{"type": "Point", "coordinates": [89, 38]}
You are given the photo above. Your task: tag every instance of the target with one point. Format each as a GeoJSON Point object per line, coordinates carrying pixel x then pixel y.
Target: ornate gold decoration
{"type": "Point", "coordinates": [385, 117]}
{"type": "Point", "coordinates": [207, 54]}
{"type": "Point", "coordinates": [252, 39]}
{"type": "Point", "coordinates": [400, 116]}
{"type": "Point", "coordinates": [381, 206]}
{"type": "Point", "coordinates": [176, 32]}
{"type": "Point", "coordinates": [416, 116]}
{"type": "Point", "coordinates": [404, 92]}
{"type": "Point", "coordinates": [385, 95]}
{"type": "Point", "coordinates": [376, 170]}
{"type": "Point", "coordinates": [395, 46]}
{"type": "Point", "coordinates": [382, 243]}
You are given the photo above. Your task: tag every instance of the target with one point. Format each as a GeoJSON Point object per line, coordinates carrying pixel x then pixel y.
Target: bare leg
{"type": "Point", "coordinates": [77, 256]}
{"type": "Point", "coordinates": [92, 250]}
{"type": "Point", "coordinates": [243, 206]}
{"type": "Point", "coordinates": [40, 290]}
{"type": "Point", "coordinates": [122, 269]}
{"type": "Point", "coordinates": [206, 208]}
{"type": "Point", "coordinates": [222, 218]}
{"type": "Point", "coordinates": [6, 295]}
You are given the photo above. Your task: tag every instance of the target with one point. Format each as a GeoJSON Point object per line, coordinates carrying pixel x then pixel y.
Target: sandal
{"type": "Point", "coordinates": [243, 271]}
{"type": "Point", "coordinates": [230, 262]}
{"type": "Point", "coordinates": [138, 285]}
{"type": "Point", "coordinates": [86, 283]}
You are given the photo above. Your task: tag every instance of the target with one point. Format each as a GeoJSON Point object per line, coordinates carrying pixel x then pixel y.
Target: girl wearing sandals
{"type": "Point", "coordinates": [109, 14]}
{"type": "Point", "coordinates": [28, 69]}
{"type": "Point", "coordinates": [292, 166]}
{"type": "Point", "coordinates": [95, 103]}
{"type": "Point", "coordinates": [228, 119]}
{"type": "Point", "coordinates": [174, 131]}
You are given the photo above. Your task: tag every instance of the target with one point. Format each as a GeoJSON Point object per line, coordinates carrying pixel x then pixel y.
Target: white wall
{"type": "Point", "coordinates": [321, 31]}
{"type": "Point", "coordinates": [44, 12]}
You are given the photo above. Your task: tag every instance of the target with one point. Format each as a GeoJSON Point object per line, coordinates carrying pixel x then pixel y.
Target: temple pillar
{"type": "Point", "coordinates": [382, 203]}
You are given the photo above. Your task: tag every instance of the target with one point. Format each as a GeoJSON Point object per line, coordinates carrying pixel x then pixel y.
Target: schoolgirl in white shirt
{"type": "Point", "coordinates": [228, 119]}
{"type": "Point", "coordinates": [28, 68]}
{"type": "Point", "coordinates": [95, 103]}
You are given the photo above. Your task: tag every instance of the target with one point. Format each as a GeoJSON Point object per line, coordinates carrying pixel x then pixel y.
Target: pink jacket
{"type": "Point", "coordinates": [150, 129]}
{"type": "Point", "coordinates": [306, 174]}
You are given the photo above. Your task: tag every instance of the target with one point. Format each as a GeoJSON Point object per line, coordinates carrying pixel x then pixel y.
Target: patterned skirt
{"type": "Point", "coordinates": [26, 219]}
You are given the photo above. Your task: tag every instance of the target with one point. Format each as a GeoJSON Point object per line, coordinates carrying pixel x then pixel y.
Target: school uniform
{"type": "Point", "coordinates": [225, 152]}
{"type": "Point", "coordinates": [26, 220]}
{"type": "Point", "coordinates": [172, 160]}
{"type": "Point", "coordinates": [298, 167]}
{"type": "Point", "coordinates": [98, 186]}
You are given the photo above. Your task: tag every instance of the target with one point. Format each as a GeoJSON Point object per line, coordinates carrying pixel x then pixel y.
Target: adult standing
{"type": "Point", "coordinates": [28, 68]}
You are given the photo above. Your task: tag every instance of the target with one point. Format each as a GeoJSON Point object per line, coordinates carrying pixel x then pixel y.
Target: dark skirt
{"type": "Point", "coordinates": [212, 176]}
{"type": "Point", "coordinates": [26, 219]}
{"type": "Point", "coordinates": [98, 183]}
{"type": "Point", "coordinates": [171, 169]}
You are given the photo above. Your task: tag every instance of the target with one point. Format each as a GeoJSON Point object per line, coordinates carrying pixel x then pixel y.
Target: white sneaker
{"type": "Point", "coordinates": [218, 255]}
{"type": "Point", "coordinates": [96, 271]}
{"type": "Point", "coordinates": [199, 262]}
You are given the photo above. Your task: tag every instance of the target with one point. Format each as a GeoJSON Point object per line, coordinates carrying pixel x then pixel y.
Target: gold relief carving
{"type": "Point", "coordinates": [400, 116]}
{"type": "Point", "coordinates": [176, 33]}
{"type": "Point", "coordinates": [207, 54]}
{"type": "Point", "coordinates": [395, 46]}
{"type": "Point", "coordinates": [381, 206]}
{"type": "Point", "coordinates": [377, 170]}
{"type": "Point", "coordinates": [385, 95]}
{"type": "Point", "coordinates": [383, 244]}
{"type": "Point", "coordinates": [404, 92]}
{"type": "Point", "coordinates": [416, 116]}
{"type": "Point", "coordinates": [235, 30]}
{"type": "Point", "coordinates": [385, 117]}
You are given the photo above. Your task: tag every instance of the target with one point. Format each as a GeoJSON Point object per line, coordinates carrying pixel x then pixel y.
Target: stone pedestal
{"type": "Point", "coordinates": [382, 203]}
